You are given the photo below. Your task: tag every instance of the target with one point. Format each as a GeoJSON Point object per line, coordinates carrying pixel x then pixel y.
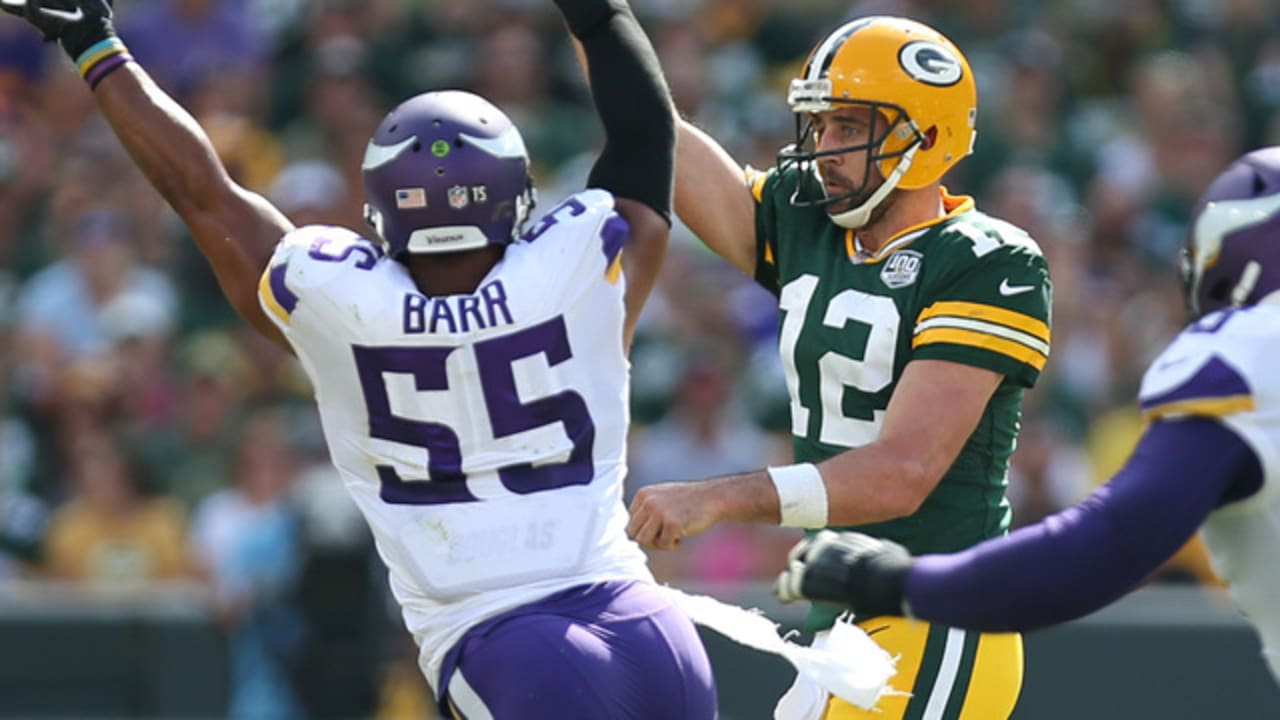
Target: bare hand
{"type": "Point", "coordinates": [665, 514]}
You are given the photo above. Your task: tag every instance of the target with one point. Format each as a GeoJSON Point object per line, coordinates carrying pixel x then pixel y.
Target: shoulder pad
{"type": "Point", "coordinates": [314, 254]}
{"type": "Point", "coordinates": [985, 235]}
{"type": "Point", "coordinates": [308, 258]}
{"type": "Point", "coordinates": [1196, 375]}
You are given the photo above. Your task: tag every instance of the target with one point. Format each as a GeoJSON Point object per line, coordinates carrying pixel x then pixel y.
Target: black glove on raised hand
{"type": "Point", "coordinates": [76, 24]}
{"type": "Point", "coordinates": [865, 573]}
{"type": "Point", "coordinates": [82, 27]}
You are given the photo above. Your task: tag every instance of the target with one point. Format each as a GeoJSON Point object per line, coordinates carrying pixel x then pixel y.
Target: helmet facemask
{"type": "Point", "coordinates": [890, 127]}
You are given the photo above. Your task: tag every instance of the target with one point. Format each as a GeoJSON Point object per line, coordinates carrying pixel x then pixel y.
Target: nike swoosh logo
{"type": "Point", "coordinates": [65, 15]}
{"type": "Point", "coordinates": [1006, 289]}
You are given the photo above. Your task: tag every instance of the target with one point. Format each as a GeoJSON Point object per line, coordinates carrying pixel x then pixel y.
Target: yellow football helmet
{"type": "Point", "coordinates": [920, 89]}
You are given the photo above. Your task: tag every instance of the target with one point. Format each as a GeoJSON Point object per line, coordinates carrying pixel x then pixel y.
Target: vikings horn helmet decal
{"type": "Point", "coordinates": [1232, 256]}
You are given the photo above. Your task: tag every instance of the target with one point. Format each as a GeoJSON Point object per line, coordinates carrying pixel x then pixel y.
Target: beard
{"type": "Point", "coordinates": [840, 186]}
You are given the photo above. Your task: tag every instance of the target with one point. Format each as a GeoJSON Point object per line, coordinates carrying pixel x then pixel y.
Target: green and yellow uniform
{"type": "Point", "coordinates": [966, 288]}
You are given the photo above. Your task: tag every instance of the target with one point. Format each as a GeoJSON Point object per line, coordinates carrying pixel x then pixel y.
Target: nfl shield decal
{"type": "Point", "coordinates": [901, 269]}
{"type": "Point", "coordinates": [458, 197]}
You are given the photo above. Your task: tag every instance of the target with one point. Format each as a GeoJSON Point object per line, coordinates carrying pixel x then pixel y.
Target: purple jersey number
{"type": "Point", "coordinates": [368, 252]}
{"type": "Point", "coordinates": [508, 415]}
{"type": "Point", "coordinates": [573, 206]}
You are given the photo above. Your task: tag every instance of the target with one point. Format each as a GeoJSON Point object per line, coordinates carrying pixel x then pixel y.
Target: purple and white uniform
{"type": "Point", "coordinates": [1209, 460]}
{"type": "Point", "coordinates": [483, 437]}
{"type": "Point", "coordinates": [1224, 367]}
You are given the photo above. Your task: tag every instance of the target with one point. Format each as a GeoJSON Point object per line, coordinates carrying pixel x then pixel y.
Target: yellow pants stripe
{"type": "Point", "coordinates": [948, 674]}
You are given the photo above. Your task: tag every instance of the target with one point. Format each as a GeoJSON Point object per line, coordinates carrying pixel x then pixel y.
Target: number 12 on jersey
{"type": "Point", "coordinates": [869, 374]}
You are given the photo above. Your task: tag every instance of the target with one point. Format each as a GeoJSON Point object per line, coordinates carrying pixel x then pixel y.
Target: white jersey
{"type": "Point", "coordinates": [483, 436]}
{"type": "Point", "coordinates": [1225, 366]}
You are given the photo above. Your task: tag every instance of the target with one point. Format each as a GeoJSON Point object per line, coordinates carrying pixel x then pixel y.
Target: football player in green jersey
{"type": "Point", "coordinates": [911, 324]}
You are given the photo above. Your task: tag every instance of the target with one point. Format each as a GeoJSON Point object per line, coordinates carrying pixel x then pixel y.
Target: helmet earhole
{"type": "Point", "coordinates": [1221, 290]}
{"type": "Point", "coordinates": [417, 147]}
{"type": "Point", "coordinates": [457, 143]}
{"type": "Point", "coordinates": [930, 137]}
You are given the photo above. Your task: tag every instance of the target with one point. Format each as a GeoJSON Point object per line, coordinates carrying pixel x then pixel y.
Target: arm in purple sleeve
{"type": "Point", "coordinates": [1083, 558]}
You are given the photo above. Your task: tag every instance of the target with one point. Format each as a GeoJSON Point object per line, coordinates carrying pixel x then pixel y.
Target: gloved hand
{"type": "Point", "coordinates": [865, 573]}
{"type": "Point", "coordinates": [76, 24]}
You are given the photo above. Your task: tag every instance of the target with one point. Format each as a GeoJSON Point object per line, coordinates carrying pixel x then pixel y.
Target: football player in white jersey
{"type": "Point", "coordinates": [1209, 459]}
{"type": "Point", "coordinates": [471, 373]}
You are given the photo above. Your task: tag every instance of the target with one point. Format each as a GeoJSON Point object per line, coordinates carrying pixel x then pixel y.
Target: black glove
{"type": "Point", "coordinates": [76, 24]}
{"type": "Point", "coordinates": [865, 573]}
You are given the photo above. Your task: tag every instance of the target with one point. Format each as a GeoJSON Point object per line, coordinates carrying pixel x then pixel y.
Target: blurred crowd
{"type": "Point", "coordinates": [147, 436]}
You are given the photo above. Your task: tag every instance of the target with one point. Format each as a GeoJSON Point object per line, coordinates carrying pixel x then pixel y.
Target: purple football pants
{"type": "Point", "coordinates": [601, 651]}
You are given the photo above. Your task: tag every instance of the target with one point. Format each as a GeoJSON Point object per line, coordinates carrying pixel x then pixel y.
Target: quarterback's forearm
{"type": "Point", "coordinates": [933, 412]}
{"type": "Point", "coordinates": [875, 483]}
{"type": "Point", "coordinates": [862, 486]}
{"type": "Point", "coordinates": [1083, 558]}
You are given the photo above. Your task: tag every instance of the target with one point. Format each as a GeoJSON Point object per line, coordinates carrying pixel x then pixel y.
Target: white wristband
{"type": "Point", "coordinates": [802, 496]}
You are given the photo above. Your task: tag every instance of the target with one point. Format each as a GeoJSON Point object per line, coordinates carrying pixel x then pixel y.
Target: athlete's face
{"type": "Point", "coordinates": [847, 171]}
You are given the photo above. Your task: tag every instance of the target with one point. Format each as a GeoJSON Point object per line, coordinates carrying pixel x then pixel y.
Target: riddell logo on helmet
{"type": "Point", "coordinates": [931, 63]}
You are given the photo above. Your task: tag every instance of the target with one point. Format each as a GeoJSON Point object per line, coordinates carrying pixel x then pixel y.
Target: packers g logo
{"type": "Point", "coordinates": [931, 63]}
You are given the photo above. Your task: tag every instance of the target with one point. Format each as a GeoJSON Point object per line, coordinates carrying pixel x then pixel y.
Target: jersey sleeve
{"type": "Point", "coordinates": [1189, 379]}
{"type": "Point", "coordinates": [991, 310]}
{"type": "Point", "coordinates": [578, 243]}
{"type": "Point", "coordinates": [762, 185]}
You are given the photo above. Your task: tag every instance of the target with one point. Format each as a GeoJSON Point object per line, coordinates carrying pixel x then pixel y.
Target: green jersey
{"type": "Point", "coordinates": [967, 288]}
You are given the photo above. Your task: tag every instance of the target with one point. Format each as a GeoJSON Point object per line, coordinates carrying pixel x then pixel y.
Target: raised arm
{"type": "Point", "coordinates": [236, 229]}
{"type": "Point", "coordinates": [713, 199]}
{"type": "Point", "coordinates": [635, 108]}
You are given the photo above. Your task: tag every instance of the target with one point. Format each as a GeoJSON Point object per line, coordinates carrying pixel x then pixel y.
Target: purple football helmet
{"type": "Point", "coordinates": [446, 171]}
{"type": "Point", "coordinates": [1232, 257]}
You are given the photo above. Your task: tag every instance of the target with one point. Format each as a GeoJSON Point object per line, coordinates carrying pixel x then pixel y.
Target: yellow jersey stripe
{"type": "Point", "coordinates": [269, 298]}
{"type": "Point", "coordinates": [1007, 333]}
{"type": "Point", "coordinates": [1211, 407]}
{"type": "Point", "coordinates": [755, 181]}
{"type": "Point", "coordinates": [978, 311]}
{"type": "Point", "coordinates": [970, 338]}
{"type": "Point", "coordinates": [614, 271]}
